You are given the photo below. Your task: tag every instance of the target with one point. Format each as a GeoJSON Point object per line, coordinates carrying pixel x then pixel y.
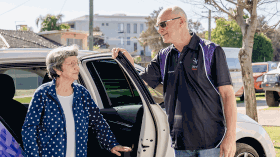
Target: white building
{"type": "Point", "coordinates": [119, 30]}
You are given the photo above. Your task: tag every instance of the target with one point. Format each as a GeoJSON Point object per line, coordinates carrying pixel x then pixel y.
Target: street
{"type": "Point", "coordinates": [265, 116]}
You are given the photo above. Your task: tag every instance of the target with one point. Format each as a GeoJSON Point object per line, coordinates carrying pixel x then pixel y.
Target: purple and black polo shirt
{"type": "Point", "coordinates": [192, 100]}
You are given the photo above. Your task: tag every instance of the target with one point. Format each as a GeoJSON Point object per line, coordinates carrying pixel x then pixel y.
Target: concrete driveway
{"type": "Point", "coordinates": [265, 116]}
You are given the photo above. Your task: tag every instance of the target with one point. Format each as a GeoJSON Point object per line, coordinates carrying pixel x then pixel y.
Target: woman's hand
{"type": "Point", "coordinates": [119, 148]}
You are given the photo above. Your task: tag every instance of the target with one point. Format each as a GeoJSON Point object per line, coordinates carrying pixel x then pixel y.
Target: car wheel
{"type": "Point", "coordinates": [272, 98]}
{"type": "Point", "coordinates": [245, 150]}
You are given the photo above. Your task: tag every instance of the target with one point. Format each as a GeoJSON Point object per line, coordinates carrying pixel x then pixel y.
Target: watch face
{"type": "Point", "coordinates": [8, 145]}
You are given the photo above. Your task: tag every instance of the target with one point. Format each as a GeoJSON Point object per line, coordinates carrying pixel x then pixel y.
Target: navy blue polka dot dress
{"type": "Point", "coordinates": [44, 129]}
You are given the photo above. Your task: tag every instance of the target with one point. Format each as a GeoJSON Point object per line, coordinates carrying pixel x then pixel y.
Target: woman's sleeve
{"type": "Point", "coordinates": [99, 124]}
{"type": "Point", "coordinates": [29, 129]}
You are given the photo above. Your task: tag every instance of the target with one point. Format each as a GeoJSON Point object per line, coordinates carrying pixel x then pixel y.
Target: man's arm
{"type": "Point", "coordinates": [228, 146]}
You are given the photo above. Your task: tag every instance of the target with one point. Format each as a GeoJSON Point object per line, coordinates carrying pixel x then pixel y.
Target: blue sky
{"type": "Point", "coordinates": [31, 9]}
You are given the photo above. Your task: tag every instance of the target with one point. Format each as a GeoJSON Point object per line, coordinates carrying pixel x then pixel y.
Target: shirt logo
{"type": "Point", "coordinates": [195, 63]}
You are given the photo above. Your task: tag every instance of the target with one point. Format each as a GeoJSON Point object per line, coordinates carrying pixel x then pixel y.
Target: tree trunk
{"type": "Point", "coordinates": [248, 30]}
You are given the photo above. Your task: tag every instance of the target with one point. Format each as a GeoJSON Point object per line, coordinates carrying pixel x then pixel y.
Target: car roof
{"type": "Point", "coordinates": [37, 54]}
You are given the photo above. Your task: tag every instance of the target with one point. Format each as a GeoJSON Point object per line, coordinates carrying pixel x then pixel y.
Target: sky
{"type": "Point", "coordinates": [28, 10]}
{"type": "Point", "coordinates": [16, 12]}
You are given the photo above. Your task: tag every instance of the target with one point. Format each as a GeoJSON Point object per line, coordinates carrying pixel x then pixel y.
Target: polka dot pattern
{"type": "Point", "coordinates": [44, 129]}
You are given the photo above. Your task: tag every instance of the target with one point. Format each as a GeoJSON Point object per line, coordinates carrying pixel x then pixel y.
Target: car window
{"type": "Point", "coordinates": [8, 145]}
{"type": "Point", "coordinates": [117, 84]}
{"type": "Point", "coordinates": [25, 84]}
{"type": "Point", "coordinates": [233, 63]}
{"type": "Point", "coordinates": [259, 68]}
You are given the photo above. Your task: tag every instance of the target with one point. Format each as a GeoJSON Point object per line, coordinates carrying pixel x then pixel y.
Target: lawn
{"type": "Point", "coordinates": [24, 100]}
{"type": "Point", "coordinates": [274, 133]}
{"type": "Point", "coordinates": [259, 96]}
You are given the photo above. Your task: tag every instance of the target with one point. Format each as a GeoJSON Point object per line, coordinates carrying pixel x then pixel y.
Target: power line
{"type": "Point", "coordinates": [62, 6]}
{"type": "Point", "coordinates": [14, 8]}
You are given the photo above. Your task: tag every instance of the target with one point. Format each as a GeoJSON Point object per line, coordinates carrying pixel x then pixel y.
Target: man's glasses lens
{"type": "Point", "coordinates": [163, 23]}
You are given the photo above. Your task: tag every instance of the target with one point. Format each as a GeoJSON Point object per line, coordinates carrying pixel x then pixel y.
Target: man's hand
{"type": "Point", "coordinates": [115, 53]}
{"type": "Point", "coordinates": [119, 148]}
{"type": "Point", "coordinates": [228, 146]}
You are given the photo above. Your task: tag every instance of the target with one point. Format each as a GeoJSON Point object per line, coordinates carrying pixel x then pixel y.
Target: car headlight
{"type": "Point", "coordinates": [270, 78]}
{"type": "Point", "coordinates": [259, 79]}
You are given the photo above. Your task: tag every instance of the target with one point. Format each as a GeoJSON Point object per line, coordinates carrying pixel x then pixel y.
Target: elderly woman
{"type": "Point", "coordinates": [60, 112]}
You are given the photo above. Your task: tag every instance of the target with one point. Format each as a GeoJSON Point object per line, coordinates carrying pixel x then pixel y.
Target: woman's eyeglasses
{"type": "Point", "coordinates": [73, 64]}
{"type": "Point", "coordinates": [163, 23]}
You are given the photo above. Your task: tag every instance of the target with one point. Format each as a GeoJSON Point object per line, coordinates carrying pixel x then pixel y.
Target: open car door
{"type": "Point", "coordinates": [128, 107]}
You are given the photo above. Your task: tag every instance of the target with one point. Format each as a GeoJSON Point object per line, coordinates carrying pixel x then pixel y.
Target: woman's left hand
{"type": "Point", "coordinates": [120, 148]}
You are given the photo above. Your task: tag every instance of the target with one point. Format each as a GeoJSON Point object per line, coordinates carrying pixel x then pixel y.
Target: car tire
{"type": "Point", "coordinates": [272, 98]}
{"type": "Point", "coordinates": [243, 150]}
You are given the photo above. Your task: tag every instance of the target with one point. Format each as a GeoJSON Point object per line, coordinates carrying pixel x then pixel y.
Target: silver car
{"type": "Point", "coordinates": [134, 115]}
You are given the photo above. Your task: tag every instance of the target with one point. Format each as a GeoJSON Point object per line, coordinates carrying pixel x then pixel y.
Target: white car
{"type": "Point", "coordinates": [124, 100]}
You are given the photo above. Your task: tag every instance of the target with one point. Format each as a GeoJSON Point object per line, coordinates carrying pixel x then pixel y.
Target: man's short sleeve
{"type": "Point", "coordinates": [219, 68]}
{"type": "Point", "coordinates": [152, 74]}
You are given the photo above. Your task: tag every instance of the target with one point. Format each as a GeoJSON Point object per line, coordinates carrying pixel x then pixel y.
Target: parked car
{"type": "Point", "coordinates": [271, 85]}
{"type": "Point", "coordinates": [124, 100]}
{"type": "Point", "coordinates": [234, 69]}
{"type": "Point", "coordinates": [259, 69]}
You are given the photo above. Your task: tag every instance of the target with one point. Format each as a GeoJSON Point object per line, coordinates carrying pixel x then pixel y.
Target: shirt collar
{"type": "Point", "coordinates": [193, 44]}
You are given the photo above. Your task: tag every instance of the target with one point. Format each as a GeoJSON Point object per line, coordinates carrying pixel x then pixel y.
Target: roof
{"type": "Point", "coordinates": [25, 39]}
{"type": "Point", "coordinates": [62, 31]}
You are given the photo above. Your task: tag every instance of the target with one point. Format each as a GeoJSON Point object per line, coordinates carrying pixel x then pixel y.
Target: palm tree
{"type": "Point", "coordinates": [50, 22]}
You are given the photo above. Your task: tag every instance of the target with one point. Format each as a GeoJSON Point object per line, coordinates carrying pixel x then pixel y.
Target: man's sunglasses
{"type": "Point", "coordinates": [163, 23]}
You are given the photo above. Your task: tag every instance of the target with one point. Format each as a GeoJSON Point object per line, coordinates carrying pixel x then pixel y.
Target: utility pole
{"type": "Point", "coordinates": [209, 25]}
{"type": "Point", "coordinates": [90, 25]}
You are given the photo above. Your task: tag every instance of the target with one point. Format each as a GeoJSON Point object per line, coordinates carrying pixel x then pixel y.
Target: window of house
{"type": "Point", "coordinates": [79, 42]}
{"type": "Point", "coordinates": [102, 24]}
{"type": "Point", "coordinates": [128, 41]}
{"type": "Point", "coordinates": [142, 52]}
{"type": "Point", "coordinates": [135, 46]}
{"type": "Point", "coordinates": [120, 28]}
{"type": "Point", "coordinates": [72, 26]}
{"type": "Point", "coordinates": [121, 40]}
{"type": "Point", "coordinates": [135, 28]}
{"type": "Point", "coordinates": [128, 28]}
{"type": "Point", "coordinates": [107, 24]}
{"type": "Point", "coordinates": [114, 80]}
{"type": "Point", "coordinates": [141, 28]}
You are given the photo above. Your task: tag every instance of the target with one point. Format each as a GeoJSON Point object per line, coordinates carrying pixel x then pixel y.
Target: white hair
{"type": "Point", "coordinates": [56, 57]}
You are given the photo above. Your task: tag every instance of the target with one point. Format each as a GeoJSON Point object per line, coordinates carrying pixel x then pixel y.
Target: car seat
{"type": "Point", "coordinates": [12, 111]}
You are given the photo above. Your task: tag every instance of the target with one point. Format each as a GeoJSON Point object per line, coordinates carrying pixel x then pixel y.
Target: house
{"type": "Point", "coordinates": [24, 39]}
{"type": "Point", "coordinates": [119, 30]}
{"type": "Point", "coordinates": [67, 37]}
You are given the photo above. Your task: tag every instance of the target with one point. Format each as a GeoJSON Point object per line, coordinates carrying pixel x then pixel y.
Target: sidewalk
{"type": "Point", "coordinates": [265, 117]}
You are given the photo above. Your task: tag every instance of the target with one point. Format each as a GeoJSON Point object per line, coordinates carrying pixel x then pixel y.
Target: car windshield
{"type": "Point", "coordinates": [233, 63]}
{"type": "Point", "coordinates": [259, 68]}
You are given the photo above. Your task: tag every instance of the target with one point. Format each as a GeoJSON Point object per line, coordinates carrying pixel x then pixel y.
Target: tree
{"type": "Point", "coordinates": [195, 26]}
{"type": "Point", "coordinates": [151, 37]}
{"type": "Point", "coordinates": [262, 48]}
{"type": "Point", "coordinates": [228, 34]}
{"type": "Point", "coordinates": [51, 22]}
{"type": "Point", "coordinates": [248, 28]}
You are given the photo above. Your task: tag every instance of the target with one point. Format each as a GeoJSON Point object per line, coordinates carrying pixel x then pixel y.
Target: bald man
{"type": "Point", "coordinates": [198, 93]}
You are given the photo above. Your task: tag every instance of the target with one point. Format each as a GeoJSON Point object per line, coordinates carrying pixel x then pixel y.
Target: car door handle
{"type": "Point", "coordinates": [144, 146]}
